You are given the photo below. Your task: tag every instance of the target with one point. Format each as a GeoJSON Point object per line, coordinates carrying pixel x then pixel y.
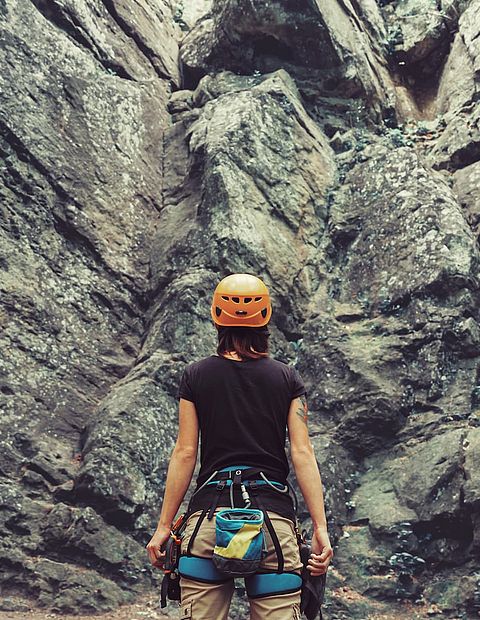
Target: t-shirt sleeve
{"type": "Point", "coordinates": [185, 389]}
{"type": "Point", "coordinates": [297, 385]}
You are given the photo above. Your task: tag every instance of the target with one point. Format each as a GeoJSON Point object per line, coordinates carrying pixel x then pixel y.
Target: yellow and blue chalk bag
{"type": "Point", "coordinates": [240, 541]}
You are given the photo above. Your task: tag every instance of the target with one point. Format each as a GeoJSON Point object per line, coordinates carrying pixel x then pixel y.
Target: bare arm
{"type": "Point", "coordinates": [179, 476]}
{"type": "Point", "coordinates": [309, 481]}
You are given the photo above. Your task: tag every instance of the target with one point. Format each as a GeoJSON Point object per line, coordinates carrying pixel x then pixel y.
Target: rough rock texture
{"type": "Point", "coordinates": [151, 147]}
{"type": "Point", "coordinates": [324, 43]}
{"type": "Point", "coordinates": [84, 88]}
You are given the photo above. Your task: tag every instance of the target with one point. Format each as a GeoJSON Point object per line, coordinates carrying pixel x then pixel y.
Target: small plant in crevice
{"type": "Point", "coordinates": [296, 346]}
{"type": "Point", "coordinates": [407, 399]}
{"type": "Point", "coordinates": [178, 16]}
{"type": "Point", "coordinates": [475, 397]}
{"type": "Point", "coordinates": [364, 301]}
{"type": "Point", "coordinates": [334, 287]}
{"type": "Point", "coordinates": [393, 40]}
{"type": "Point", "coordinates": [357, 113]}
{"type": "Point", "coordinates": [398, 138]}
{"type": "Point", "coordinates": [407, 563]}
{"type": "Point", "coordinates": [350, 485]}
{"type": "Point", "coordinates": [389, 120]}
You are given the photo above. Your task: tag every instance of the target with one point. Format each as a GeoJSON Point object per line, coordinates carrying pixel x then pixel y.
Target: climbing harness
{"type": "Point", "coordinates": [247, 479]}
{"type": "Point", "coordinates": [240, 541]}
{"type": "Point", "coordinates": [240, 544]}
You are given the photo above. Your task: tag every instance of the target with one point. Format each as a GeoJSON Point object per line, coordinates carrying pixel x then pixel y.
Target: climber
{"type": "Point", "coordinates": [241, 402]}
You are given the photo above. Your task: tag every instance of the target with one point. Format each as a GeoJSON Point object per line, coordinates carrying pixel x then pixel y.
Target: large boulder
{"type": "Point", "coordinates": [326, 43]}
{"type": "Point", "coordinates": [458, 92]}
{"type": "Point", "coordinates": [247, 178]}
{"type": "Point", "coordinates": [402, 249]}
{"type": "Point", "coordinates": [420, 503]}
{"type": "Point", "coordinates": [466, 185]}
{"type": "Point", "coordinates": [419, 33]}
{"type": "Point", "coordinates": [412, 235]}
{"type": "Point", "coordinates": [393, 386]}
{"type": "Point", "coordinates": [81, 146]}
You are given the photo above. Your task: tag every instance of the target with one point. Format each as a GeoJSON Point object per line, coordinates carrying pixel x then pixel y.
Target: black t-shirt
{"type": "Point", "coordinates": [242, 410]}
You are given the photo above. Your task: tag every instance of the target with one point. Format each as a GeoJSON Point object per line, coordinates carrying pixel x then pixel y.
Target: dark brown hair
{"type": "Point", "coordinates": [250, 343]}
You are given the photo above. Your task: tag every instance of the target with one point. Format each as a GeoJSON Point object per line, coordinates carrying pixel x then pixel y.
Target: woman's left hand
{"type": "Point", "coordinates": [155, 553]}
{"type": "Point", "coordinates": [322, 553]}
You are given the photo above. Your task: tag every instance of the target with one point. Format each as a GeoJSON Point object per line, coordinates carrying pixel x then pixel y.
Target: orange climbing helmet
{"type": "Point", "coordinates": [241, 300]}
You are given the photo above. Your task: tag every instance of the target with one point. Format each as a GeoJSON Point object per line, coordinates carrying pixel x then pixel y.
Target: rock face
{"type": "Point", "coordinates": [322, 43]}
{"type": "Point", "coordinates": [150, 148]}
{"type": "Point", "coordinates": [83, 113]}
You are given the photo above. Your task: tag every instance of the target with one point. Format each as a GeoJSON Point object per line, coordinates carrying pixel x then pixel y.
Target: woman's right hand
{"type": "Point", "coordinates": [321, 554]}
{"type": "Point", "coordinates": [156, 555]}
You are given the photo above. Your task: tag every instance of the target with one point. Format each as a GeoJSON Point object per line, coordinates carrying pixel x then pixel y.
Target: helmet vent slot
{"type": "Point", "coordinates": [258, 298]}
{"type": "Point", "coordinates": [264, 312]}
{"type": "Point", "coordinates": [247, 300]}
{"type": "Point", "coordinates": [225, 297]}
{"type": "Point", "coordinates": [236, 300]}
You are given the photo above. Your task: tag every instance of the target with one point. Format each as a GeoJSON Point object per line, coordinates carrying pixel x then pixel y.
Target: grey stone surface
{"type": "Point", "coordinates": [457, 82]}
{"type": "Point", "coordinates": [471, 446]}
{"type": "Point", "coordinates": [194, 10]}
{"type": "Point", "coordinates": [326, 42]}
{"type": "Point", "coordinates": [458, 94]}
{"type": "Point", "coordinates": [83, 95]}
{"type": "Point", "coordinates": [151, 147]}
{"type": "Point", "coordinates": [466, 185]}
{"type": "Point", "coordinates": [458, 146]}
{"type": "Point", "coordinates": [263, 168]}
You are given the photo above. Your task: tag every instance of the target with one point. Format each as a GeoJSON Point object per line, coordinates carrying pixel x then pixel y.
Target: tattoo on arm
{"type": "Point", "coordinates": [302, 409]}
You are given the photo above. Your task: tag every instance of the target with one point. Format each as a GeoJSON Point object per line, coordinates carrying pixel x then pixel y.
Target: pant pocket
{"type": "Point", "coordinates": [296, 612]}
{"type": "Point", "coordinates": [186, 611]}
{"type": "Point", "coordinates": [188, 531]}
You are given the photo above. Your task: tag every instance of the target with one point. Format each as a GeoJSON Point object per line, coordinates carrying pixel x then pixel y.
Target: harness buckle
{"type": "Point", "coordinates": [221, 485]}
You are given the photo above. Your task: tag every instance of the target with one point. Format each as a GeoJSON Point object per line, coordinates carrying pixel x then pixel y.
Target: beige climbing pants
{"type": "Point", "coordinates": [211, 601]}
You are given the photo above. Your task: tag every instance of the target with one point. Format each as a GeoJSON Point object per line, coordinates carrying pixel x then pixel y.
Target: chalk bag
{"type": "Point", "coordinates": [240, 541]}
